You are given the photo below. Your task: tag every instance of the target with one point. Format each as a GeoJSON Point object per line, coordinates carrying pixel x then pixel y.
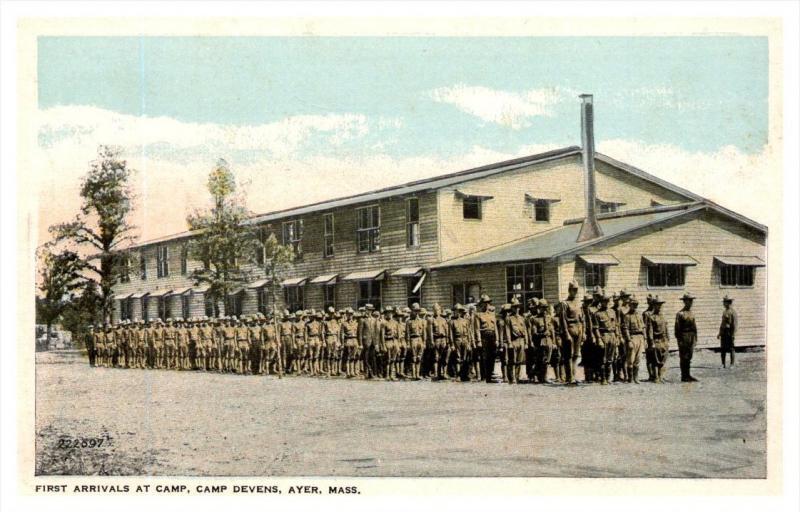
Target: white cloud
{"type": "Point", "coordinates": [511, 109]}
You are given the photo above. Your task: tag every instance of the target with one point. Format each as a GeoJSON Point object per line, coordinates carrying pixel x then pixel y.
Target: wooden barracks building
{"type": "Point", "coordinates": [522, 227]}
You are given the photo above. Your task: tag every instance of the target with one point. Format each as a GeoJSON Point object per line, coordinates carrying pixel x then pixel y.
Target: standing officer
{"type": "Point", "coordinates": [727, 330]}
{"type": "Point", "coordinates": [314, 342]}
{"type": "Point", "coordinates": [370, 332]}
{"type": "Point", "coordinates": [686, 335]}
{"type": "Point", "coordinates": [89, 341]}
{"type": "Point", "coordinates": [605, 332]}
{"type": "Point", "coordinates": [518, 340]}
{"type": "Point", "coordinates": [349, 329]}
{"type": "Point", "coordinates": [300, 345]}
{"type": "Point", "coordinates": [286, 333]}
{"type": "Point", "coordinates": [618, 366]}
{"type": "Point", "coordinates": [486, 337]}
{"type": "Point", "coordinates": [570, 316]}
{"type": "Point", "coordinates": [416, 339]}
{"type": "Point", "coordinates": [542, 340]}
{"type": "Point", "coordinates": [588, 349]}
{"type": "Point", "coordinates": [658, 335]}
{"type": "Point", "coordinates": [505, 310]}
{"type": "Point", "coordinates": [387, 348]}
{"type": "Point", "coordinates": [460, 340]}
{"type": "Point", "coordinates": [270, 348]}
{"type": "Point", "coordinates": [530, 350]}
{"type": "Point", "coordinates": [333, 343]}
{"type": "Point", "coordinates": [648, 352]}
{"type": "Point", "coordinates": [439, 340]}
{"type": "Point", "coordinates": [632, 329]}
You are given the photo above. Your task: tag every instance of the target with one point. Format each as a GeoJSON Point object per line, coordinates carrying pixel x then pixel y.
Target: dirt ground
{"type": "Point", "coordinates": [157, 422]}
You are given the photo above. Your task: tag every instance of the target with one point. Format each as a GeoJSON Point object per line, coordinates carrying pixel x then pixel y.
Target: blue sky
{"type": "Point", "coordinates": [304, 119]}
{"type": "Point", "coordinates": [697, 93]}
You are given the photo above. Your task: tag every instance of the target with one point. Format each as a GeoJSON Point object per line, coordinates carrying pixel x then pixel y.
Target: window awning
{"type": "Point", "coordinates": [407, 272]}
{"type": "Point", "coordinates": [370, 275]}
{"type": "Point", "coordinates": [202, 288]}
{"type": "Point", "coordinates": [295, 281]}
{"type": "Point", "coordinates": [325, 279]}
{"type": "Point", "coordinates": [124, 296]}
{"type": "Point", "coordinates": [616, 202]}
{"type": "Point", "coordinates": [598, 259]}
{"type": "Point", "coordinates": [670, 260]}
{"type": "Point", "coordinates": [137, 295]}
{"type": "Point", "coordinates": [550, 198]}
{"type": "Point", "coordinates": [181, 291]}
{"type": "Point", "coordinates": [461, 194]}
{"type": "Point", "coordinates": [750, 261]}
{"type": "Point", "coordinates": [160, 293]}
{"type": "Point", "coordinates": [235, 291]}
{"type": "Point", "coordinates": [257, 284]}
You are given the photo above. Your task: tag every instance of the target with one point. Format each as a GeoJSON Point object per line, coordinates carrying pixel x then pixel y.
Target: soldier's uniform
{"type": "Point", "coordinates": [486, 335]}
{"type": "Point", "coordinates": [570, 317]}
{"type": "Point", "coordinates": [543, 341]}
{"type": "Point", "coordinates": [517, 336]}
{"type": "Point", "coordinates": [300, 344]}
{"type": "Point", "coordinates": [658, 335]}
{"type": "Point", "coordinates": [140, 346]}
{"type": "Point", "coordinates": [633, 333]}
{"type": "Point", "coordinates": [605, 330]}
{"type": "Point", "coordinates": [100, 347]}
{"type": "Point", "coordinates": [369, 334]}
{"type": "Point", "coordinates": [333, 343]}
{"type": "Point", "coordinates": [270, 348]}
{"type": "Point", "coordinates": [439, 339]}
{"type": "Point", "coordinates": [182, 340]}
{"type": "Point", "coordinates": [389, 332]}
{"type": "Point", "coordinates": [286, 332]}
{"type": "Point", "coordinates": [727, 331]}
{"type": "Point", "coordinates": [90, 343]}
{"type": "Point", "coordinates": [352, 348]}
{"type": "Point", "coordinates": [648, 351]}
{"type": "Point", "coordinates": [686, 336]}
{"type": "Point", "coordinates": [256, 344]}
{"type": "Point", "coordinates": [460, 331]}
{"type": "Point", "coordinates": [314, 342]}
{"type": "Point", "coordinates": [587, 348]}
{"type": "Point", "coordinates": [111, 347]}
{"type": "Point", "coordinates": [416, 335]}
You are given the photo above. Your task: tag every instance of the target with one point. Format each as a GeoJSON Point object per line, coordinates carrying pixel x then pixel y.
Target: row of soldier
{"type": "Point", "coordinates": [606, 332]}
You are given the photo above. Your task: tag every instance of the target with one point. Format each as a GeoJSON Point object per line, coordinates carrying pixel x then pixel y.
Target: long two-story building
{"type": "Point", "coordinates": [505, 229]}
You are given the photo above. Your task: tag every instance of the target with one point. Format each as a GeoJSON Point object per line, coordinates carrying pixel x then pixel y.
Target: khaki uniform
{"type": "Point", "coordinates": [658, 335]}
{"type": "Point", "coordinates": [486, 332]}
{"type": "Point", "coordinates": [516, 336]}
{"type": "Point", "coordinates": [632, 329]}
{"type": "Point", "coordinates": [543, 340]}
{"type": "Point", "coordinates": [686, 336]}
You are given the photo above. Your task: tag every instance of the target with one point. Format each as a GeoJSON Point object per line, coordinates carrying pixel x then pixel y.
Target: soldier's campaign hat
{"type": "Point", "coordinates": [687, 296]}
{"type": "Point", "coordinates": [726, 299]}
{"type": "Point", "coordinates": [573, 285]}
{"type": "Point", "coordinates": [415, 306]}
{"type": "Point", "coordinates": [533, 300]}
{"type": "Point", "coordinates": [597, 291]}
{"type": "Point", "coordinates": [459, 307]}
{"type": "Point", "coordinates": [368, 307]}
{"type": "Point", "coordinates": [423, 311]}
{"type": "Point", "coordinates": [605, 297]}
{"type": "Point", "coordinates": [505, 307]}
{"type": "Point", "coordinates": [233, 318]}
{"type": "Point", "coordinates": [542, 303]}
{"type": "Point", "coordinates": [331, 310]}
{"type": "Point", "coordinates": [587, 298]}
{"type": "Point", "coordinates": [515, 302]}
{"type": "Point", "coordinates": [658, 300]}
{"type": "Point", "coordinates": [624, 293]}
{"type": "Point", "coordinates": [490, 308]}
{"type": "Point", "coordinates": [447, 312]}
{"type": "Point", "coordinates": [318, 314]}
{"type": "Point", "coordinates": [632, 299]}
{"type": "Point", "coordinates": [169, 319]}
{"type": "Point", "coordinates": [485, 299]}
{"type": "Point", "coordinates": [388, 309]}
{"type": "Point", "coordinates": [348, 310]}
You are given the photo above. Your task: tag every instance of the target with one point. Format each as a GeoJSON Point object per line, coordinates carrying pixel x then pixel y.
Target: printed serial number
{"type": "Point", "coordinates": [81, 442]}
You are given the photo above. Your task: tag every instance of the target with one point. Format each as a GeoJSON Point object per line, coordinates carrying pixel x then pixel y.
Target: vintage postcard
{"type": "Point", "coordinates": [522, 250]}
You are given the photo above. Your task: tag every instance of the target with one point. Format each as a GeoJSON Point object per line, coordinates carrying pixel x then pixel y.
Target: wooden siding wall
{"type": "Point", "coordinates": [508, 216]}
{"type": "Point", "coordinates": [702, 237]}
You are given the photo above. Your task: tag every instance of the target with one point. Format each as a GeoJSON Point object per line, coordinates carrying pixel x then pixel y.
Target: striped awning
{"type": "Point", "coordinates": [407, 272]}
{"type": "Point", "coordinates": [598, 259]}
{"type": "Point", "coordinates": [159, 293]}
{"type": "Point", "coordinates": [370, 275]}
{"type": "Point", "coordinates": [749, 261]}
{"type": "Point", "coordinates": [258, 284]}
{"type": "Point", "coordinates": [181, 291]}
{"type": "Point", "coordinates": [295, 281]}
{"type": "Point", "coordinates": [325, 279]}
{"type": "Point", "coordinates": [670, 260]}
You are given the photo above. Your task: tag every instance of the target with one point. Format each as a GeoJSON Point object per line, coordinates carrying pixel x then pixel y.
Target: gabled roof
{"type": "Point", "coordinates": [563, 240]}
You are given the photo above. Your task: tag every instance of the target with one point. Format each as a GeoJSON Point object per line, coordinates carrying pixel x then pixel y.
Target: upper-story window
{"type": "Point", "coordinates": [472, 207]}
{"type": "Point", "coordinates": [259, 250]}
{"type": "Point", "coordinates": [607, 206]}
{"type": "Point", "coordinates": [412, 222]}
{"type": "Point", "coordinates": [162, 261]}
{"type": "Point", "coordinates": [184, 259]}
{"type": "Point", "coordinates": [368, 228]}
{"type": "Point", "coordinates": [541, 210]}
{"type": "Point", "coordinates": [293, 235]}
{"type": "Point", "coordinates": [327, 235]}
{"type": "Point", "coordinates": [125, 269]}
{"type": "Point", "coordinates": [142, 266]}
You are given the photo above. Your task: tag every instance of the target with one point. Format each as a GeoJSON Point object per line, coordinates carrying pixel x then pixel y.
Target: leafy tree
{"type": "Point", "coordinates": [223, 241]}
{"type": "Point", "coordinates": [61, 277]}
{"type": "Point", "coordinates": [101, 227]}
{"type": "Point", "coordinates": [83, 310]}
{"type": "Point", "coordinates": [277, 259]}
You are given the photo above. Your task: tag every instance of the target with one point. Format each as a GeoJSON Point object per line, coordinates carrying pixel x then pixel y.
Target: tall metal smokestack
{"type": "Point", "coordinates": [590, 228]}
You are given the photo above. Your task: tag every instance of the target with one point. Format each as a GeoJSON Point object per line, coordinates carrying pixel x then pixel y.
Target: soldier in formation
{"type": "Point", "coordinates": [727, 331]}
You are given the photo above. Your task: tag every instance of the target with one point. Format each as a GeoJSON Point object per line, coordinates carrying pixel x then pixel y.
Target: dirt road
{"type": "Point", "coordinates": [161, 422]}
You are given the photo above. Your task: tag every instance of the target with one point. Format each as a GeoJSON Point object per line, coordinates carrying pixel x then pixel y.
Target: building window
{"type": "Point", "coordinates": [262, 294]}
{"type": "Point", "coordinates": [369, 292]}
{"type": "Point", "coordinates": [736, 275]}
{"type": "Point", "coordinates": [607, 206]}
{"type": "Point", "coordinates": [184, 260]}
{"type": "Point", "coordinates": [125, 307]}
{"type": "Point", "coordinates": [208, 306]}
{"type": "Point", "coordinates": [368, 230]}
{"type": "Point", "coordinates": [666, 276]}
{"type": "Point", "coordinates": [327, 235]}
{"type": "Point", "coordinates": [524, 281]}
{"type": "Point", "coordinates": [162, 261]}
{"type": "Point", "coordinates": [125, 269]}
{"type": "Point", "coordinates": [413, 291]}
{"type": "Point", "coordinates": [145, 308]}
{"type": "Point", "coordinates": [233, 304]}
{"type": "Point", "coordinates": [293, 297]}
{"type": "Point", "coordinates": [293, 235]}
{"type": "Point", "coordinates": [329, 296]}
{"type": "Point", "coordinates": [594, 275]}
{"type": "Point", "coordinates": [466, 293]}
{"type": "Point", "coordinates": [541, 210]}
{"type": "Point", "coordinates": [412, 222]}
{"type": "Point", "coordinates": [185, 302]}
{"type": "Point", "coordinates": [259, 250]}
{"type": "Point", "coordinates": [162, 307]}
{"type": "Point", "coordinates": [142, 267]}
{"type": "Point", "coordinates": [472, 207]}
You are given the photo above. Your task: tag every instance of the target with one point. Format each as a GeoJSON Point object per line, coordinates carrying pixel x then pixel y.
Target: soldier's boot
{"type": "Point", "coordinates": [636, 373]}
{"type": "Point", "coordinates": [651, 370]}
{"type": "Point", "coordinates": [606, 373]}
{"type": "Point", "coordinates": [684, 372]}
